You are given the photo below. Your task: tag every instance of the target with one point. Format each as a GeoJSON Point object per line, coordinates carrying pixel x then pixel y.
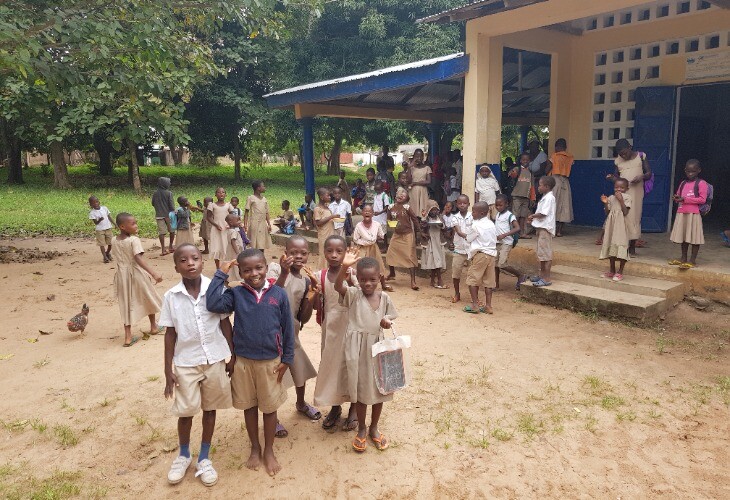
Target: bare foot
{"type": "Point", "coordinates": [270, 463]}
{"type": "Point", "coordinates": [254, 461]}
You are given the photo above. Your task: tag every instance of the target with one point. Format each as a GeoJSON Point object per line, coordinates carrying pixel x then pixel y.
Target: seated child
{"type": "Point", "coordinates": [102, 218]}
{"type": "Point", "coordinates": [306, 212]}
{"type": "Point", "coordinates": [482, 239]}
{"type": "Point", "coordinates": [263, 344]}
{"type": "Point", "coordinates": [369, 310]}
{"type": "Point", "coordinates": [286, 222]}
{"type": "Point", "coordinates": [196, 374]}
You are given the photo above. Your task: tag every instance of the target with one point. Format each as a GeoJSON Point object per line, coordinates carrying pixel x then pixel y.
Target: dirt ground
{"type": "Point", "coordinates": [531, 402]}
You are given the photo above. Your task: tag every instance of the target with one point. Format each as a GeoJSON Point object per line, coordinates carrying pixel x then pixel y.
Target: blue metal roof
{"type": "Point", "coordinates": [412, 75]}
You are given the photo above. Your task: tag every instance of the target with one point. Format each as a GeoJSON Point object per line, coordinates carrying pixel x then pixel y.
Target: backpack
{"type": "Point", "coordinates": [707, 206]}
{"type": "Point", "coordinates": [173, 221]}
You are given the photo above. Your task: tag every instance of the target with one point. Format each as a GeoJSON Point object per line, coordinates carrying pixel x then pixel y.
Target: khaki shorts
{"type": "Point", "coordinates": [520, 206]}
{"type": "Point", "coordinates": [459, 265]}
{"type": "Point", "coordinates": [254, 384]}
{"type": "Point", "coordinates": [104, 238]}
{"type": "Point", "coordinates": [202, 386]}
{"type": "Point", "coordinates": [481, 272]}
{"type": "Point", "coordinates": [163, 227]}
{"type": "Point", "coordinates": [544, 245]}
{"type": "Point", "coordinates": [503, 250]}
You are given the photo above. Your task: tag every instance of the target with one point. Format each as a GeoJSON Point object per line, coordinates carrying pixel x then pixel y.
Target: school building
{"type": "Point", "coordinates": [656, 73]}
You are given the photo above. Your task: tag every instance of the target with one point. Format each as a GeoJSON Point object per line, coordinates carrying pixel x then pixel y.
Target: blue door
{"type": "Point", "coordinates": [654, 135]}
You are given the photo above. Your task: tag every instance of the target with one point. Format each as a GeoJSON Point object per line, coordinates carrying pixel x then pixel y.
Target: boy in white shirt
{"type": "Point", "coordinates": [543, 220]}
{"type": "Point", "coordinates": [461, 223]}
{"type": "Point", "coordinates": [102, 218]}
{"type": "Point", "coordinates": [198, 361]}
{"type": "Point", "coordinates": [507, 227]}
{"type": "Point", "coordinates": [482, 239]}
{"type": "Point", "coordinates": [340, 208]}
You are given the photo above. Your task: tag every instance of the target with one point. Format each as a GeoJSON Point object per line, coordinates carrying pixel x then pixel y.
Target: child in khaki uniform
{"type": "Point", "coordinates": [103, 223]}
{"type": "Point", "coordinates": [198, 347]}
{"type": "Point", "coordinates": [263, 344]}
{"type": "Point", "coordinates": [482, 239]}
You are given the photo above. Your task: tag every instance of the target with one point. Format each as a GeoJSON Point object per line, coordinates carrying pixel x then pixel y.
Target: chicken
{"type": "Point", "coordinates": [79, 322]}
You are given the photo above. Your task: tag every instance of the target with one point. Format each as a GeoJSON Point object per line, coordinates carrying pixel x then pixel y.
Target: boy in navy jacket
{"type": "Point", "coordinates": [263, 345]}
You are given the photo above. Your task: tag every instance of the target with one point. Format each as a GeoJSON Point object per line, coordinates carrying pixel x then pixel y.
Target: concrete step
{"type": "Point", "coordinates": [610, 302]}
{"type": "Point", "coordinates": [670, 290]}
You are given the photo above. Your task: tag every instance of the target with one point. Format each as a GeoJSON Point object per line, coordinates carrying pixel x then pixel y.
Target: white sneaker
{"type": "Point", "coordinates": [207, 473]}
{"type": "Point", "coordinates": [178, 469]}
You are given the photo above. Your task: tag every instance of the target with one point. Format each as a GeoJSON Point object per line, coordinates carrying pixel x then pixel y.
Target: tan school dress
{"type": "Point", "coordinates": [204, 231]}
{"type": "Point", "coordinates": [233, 235]}
{"type": "Point", "coordinates": [433, 255]}
{"type": "Point", "coordinates": [366, 240]}
{"type": "Point", "coordinates": [218, 241]}
{"type": "Point", "coordinates": [628, 170]}
{"type": "Point", "coordinates": [323, 232]}
{"type": "Point", "coordinates": [363, 330]}
{"type": "Point", "coordinates": [616, 230]}
{"type": "Point", "coordinates": [402, 246]}
{"type": "Point", "coordinates": [331, 388]}
{"type": "Point", "coordinates": [419, 194]}
{"type": "Point", "coordinates": [134, 286]}
{"type": "Point", "coordinates": [258, 230]}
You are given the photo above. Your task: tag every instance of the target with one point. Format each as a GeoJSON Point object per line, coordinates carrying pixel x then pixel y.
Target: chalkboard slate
{"type": "Point", "coordinates": [391, 373]}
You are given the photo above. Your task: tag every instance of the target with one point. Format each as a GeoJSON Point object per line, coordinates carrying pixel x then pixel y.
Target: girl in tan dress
{"type": "Point", "coordinates": [204, 232]}
{"type": "Point", "coordinates": [632, 166]}
{"type": "Point", "coordinates": [323, 220]}
{"type": "Point", "coordinates": [369, 311]}
{"type": "Point", "coordinates": [616, 229]}
{"type": "Point", "coordinates": [433, 255]}
{"type": "Point", "coordinates": [256, 217]}
{"type": "Point", "coordinates": [366, 236]}
{"type": "Point", "coordinates": [303, 294]}
{"type": "Point", "coordinates": [331, 389]}
{"type": "Point", "coordinates": [133, 280]}
{"type": "Point", "coordinates": [216, 216]}
{"type": "Point", "coordinates": [402, 248]}
{"type": "Point", "coordinates": [419, 178]}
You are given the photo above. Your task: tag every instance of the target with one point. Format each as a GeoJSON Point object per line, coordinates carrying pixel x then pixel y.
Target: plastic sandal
{"type": "Point", "coordinates": [542, 283]}
{"type": "Point", "coordinates": [360, 444]}
{"type": "Point", "coordinates": [330, 421]}
{"type": "Point", "coordinates": [131, 342]}
{"type": "Point", "coordinates": [618, 277]}
{"type": "Point", "coordinates": [310, 411]}
{"type": "Point", "coordinates": [725, 238]}
{"type": "Point", "coordinates": [535, 279]}
{"type": "Point", "coordinates": [686, 265]}
{"type": "Point", "coordinates": [378, 442]}
{"type": "Point", "coordinates": [607, 275]}
{"type": "Point", "coordinates": [675, 262]}
{"type": "Point", "coordinates": [281, 431]}
{"type": "Point", "coordinates": [520, 280]}
{"type": "Point", "coordinates": [468, 309]}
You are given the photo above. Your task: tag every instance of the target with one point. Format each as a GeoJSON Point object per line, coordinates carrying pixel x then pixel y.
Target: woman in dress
{"type": "Point", "coordinates": [419, 178]}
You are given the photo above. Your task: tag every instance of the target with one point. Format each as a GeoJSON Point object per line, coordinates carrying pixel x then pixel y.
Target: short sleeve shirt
{"type": "Point", "coordinates": [103, 214]}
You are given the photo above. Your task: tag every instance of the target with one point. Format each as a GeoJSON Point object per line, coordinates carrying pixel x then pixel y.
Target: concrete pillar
{"type": "Point", "coordinates": [482, 106]}
{"type": "Point", "coordinates": [435, 129]}
{"type": "Point", "coordinates": [308, 153]}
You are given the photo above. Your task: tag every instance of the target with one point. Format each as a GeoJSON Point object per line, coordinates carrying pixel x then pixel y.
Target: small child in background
{"type": "Point", "coordinates": [358, 194]}
{"type": "Point", "coordinates": [256, 217]}
{"type": "Point", "coordinates": [204, 231]}
{"type": "Point", "coordinates": [184, 231]}
{"type": "Point", "coordinates": [523, 194]}
{"type": "Point", "coordinates": [687, 231]}
{"type": "Point", "coordinates": [448, 217]}
{"type": "Point", "coordinates": [366, 235]}
{"type": "Point", "coordinates": [306, 212]}
{"type": "Point", "coordinates": [390, 180]}
{"type": "Point", "coordinates": [559, 166]}
{"type": "Point", "coordinates": [341, 209]}
{"type": "Point", "coordinates": [507, 227]}
{"type": "Point", "coordinates": [263, 344]}
{"type": "Point", "coordinates": [236, 210]}
{"type": "Point", "coordinates": [369, 187]}
{"type": "Point", "coordinates": [461, 226]}
{"type": "Point", "coordinates": [454, 187]}
{"type": "Point", "coordinates": [369, 310]}
{"type": "Point", "coordinates": [324, 222]}
{"type": "Point", "coordinates": [196, 370]}
{"type": "Point", "coordinates": [235, 243]}
{"type": "Point", "coordinates": [133, 280]}
{"type": "Point", "coordinates": [344, 187]}
{"type": "Point", "coordinates": [402, 184]}
{"type": "Point", "coordinates": [163, 204]}
{"type": "Point", "coordinates": [381, 202]}
{"type": "Point", "coordinates": [543, 220]}
{"type": "Point", "coordinates": [286, 221]}
{"type": "Point", "coordinates": [433, 257]}
{"type": "Point", "coordinates": [487, 188]}
{"type": "Point", "coordinates": [216, 214]}
{"type": "Point", "coordinates": [616, 235]}
{"type": "Point", "coordinates": [102, 219]}
{"type": "Point", "coordinates": [482, 239]}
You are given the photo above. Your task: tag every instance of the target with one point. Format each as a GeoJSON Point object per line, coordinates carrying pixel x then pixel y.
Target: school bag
{"type": "Point", "coordinates": [707, 206]}
{"type": "Point", "coordinates": [173, 221]}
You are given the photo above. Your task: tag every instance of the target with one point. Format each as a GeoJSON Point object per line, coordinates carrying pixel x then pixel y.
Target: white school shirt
{"type": "Point", "coordinates": [503, 222]}
{"type": "Point", "coordinates": [340, 209]}
{"type": "Point", "coordinates": [464, 223]}
{"type": "Point", "coordinates": [102, 213]}
{"type": "Point", "coordinates": [487, 189]}
{"type": "Point", "coordinates": [200, 340]}
{"type": "Point", "coordinates": [381, 202]}
{"type": "Point", "coordinates": [482, 237]}
{"type": "Point", "coordinates": [448, 220]}
{"type": "Point", "coordinates": [547, 208]}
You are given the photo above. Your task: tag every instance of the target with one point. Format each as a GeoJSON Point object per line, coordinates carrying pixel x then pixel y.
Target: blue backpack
{"type": "Point", "coordinates": [173, 221]}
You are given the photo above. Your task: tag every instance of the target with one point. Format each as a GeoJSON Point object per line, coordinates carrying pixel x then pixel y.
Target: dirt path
{"type": "Point", "coordinates": [530, 402]}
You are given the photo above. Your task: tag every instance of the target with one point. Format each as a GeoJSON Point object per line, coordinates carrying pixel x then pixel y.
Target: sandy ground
{"type": "Point", "coordinates": [531, 402]}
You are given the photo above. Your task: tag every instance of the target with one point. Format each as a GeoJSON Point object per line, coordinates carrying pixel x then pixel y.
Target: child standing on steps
{"type": "Point", "coordinates": [687, 230]}
{"type": "Point", "coordinates": [616, 231]}
{"type": "Point", "coordinates": [369, 311]}
{"type": "Point", "coordinates": [433, 256]}
{"type": "Point", "coordinates": [487, 188]}
{"type": "Point", "coordinates": [543, 220]}
{"type": "Point", "coordinates": [366, 236]}
{"type": "Point", "coordinates": [103, 223]}
{"type": "Point", "coordinates": [507, 227]}
{"type": "Point", "coordinates": [133, 280]}
{"type": "Point", "coordinates": [216, 215]}
{"type": "Point", "coordinates": [256, 217]}
{"type": "Point", "coordinates": [198, 361]}
{"type": "Point", "coordinates": [331, 389]}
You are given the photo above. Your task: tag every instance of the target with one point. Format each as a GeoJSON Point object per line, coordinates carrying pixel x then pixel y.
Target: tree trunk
{"type": "Point", "coordinates": [60, 170]}
{"type": "Point", "coordinates": [177, 154]}
{"type": "Point", "coordinates": [104, 150]}
{"type": "Point", "coordinates": [236, 158]}
{"type": "Point", "coordinates": [333, 163]}
{"type": "Point", "coordinates": [301, 157]}
{"type": "Point", "coordinates": [134, 167]}
{"type": "Point", "coordinates": [15, 167]}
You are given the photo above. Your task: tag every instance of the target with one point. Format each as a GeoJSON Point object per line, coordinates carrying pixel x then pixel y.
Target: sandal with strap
{"type": "Point", "coordinates": [686, 265]}
{"type": "Point", "coordinates": [310, 411]}
{"type": "Point", "coordinates": [359, 444]}
{"type": "Point", "coordinates": [468, 309]}
{"type": "Point", "coordinates": [381, 443]}
{"type": "Point", "coordinates": [675, 262]}
{"type": "Point", "coordinates": [131, 342]}
{"type": "Point", "coordinates": [330, 421]}
{"type": "Point", "coordinates": [349, 425]}
{"type": "Point", "coordinates": [281, 431]}
{"type": "Point", "coordinates": [542, 283]}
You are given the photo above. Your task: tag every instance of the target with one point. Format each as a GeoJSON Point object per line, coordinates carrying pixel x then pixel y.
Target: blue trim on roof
{"type": "Point", "coordinates": [439, 71]}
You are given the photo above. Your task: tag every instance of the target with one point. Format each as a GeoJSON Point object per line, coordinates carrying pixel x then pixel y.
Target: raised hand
{"type": "Point", "coordinates": [226, 266]}
{"type": "Point", "coordinates": [351, 257]}
{"type": "Point", "coordinates": [286, 262]}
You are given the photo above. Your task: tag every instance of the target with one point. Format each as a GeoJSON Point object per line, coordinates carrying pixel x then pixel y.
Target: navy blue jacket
{"type": "Point", "coordinates": [263, 329]}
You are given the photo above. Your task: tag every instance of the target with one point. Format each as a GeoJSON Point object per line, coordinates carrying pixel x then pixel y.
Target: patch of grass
{"type": "Point", "coordinates": [502, 435]}
{"type": "Point", "coordinates": [43, 362]}
{"type": "Point", "coordinates": [140, 420]}
{"type": "Point", "coordinates": [153, 378]}
{"type": "Point", "coordinates": [723, 387]}
{"type": "Point", "coordinates": [528, 425]}
{"type": "Point", "coordinates": [60, 485]}
{"type": "Point", "coordinates": [105, 402]}
{"type": "Point", "coordinates": [653, 414]}
{"type": "Point", "coordinates": [591, 424]}
{"type": "Point", "coordinates": [628, 416]}
{"type": "Point", "coordinates": [16, 425]}
{"type": "Point", "coordinates": [66, 406]}
{"type": "Point", "coordinates": [65, 436]}
{"type": "Point", "coordinates": [482, 442]}
{"type": "Point", "coordinates": [591, 316]}
{"type": "Point", "coordinates": [611, 402]}
{"type": "Point", "coordinates": [662, 343]}
{"type": "Point", "coordinates": [6, 470]}
{"type": "Point", "coordinates": [595, 385]}
{"type": "Point", "coordinates": [38, 426]}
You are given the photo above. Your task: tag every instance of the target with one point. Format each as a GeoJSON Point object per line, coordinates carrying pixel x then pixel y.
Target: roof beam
{"type": "Point", "coordinates": [356, 111]}
{"type": "Point", "coordinates": [411, 93]}
{"type": "Point", "coordinates": [437, 105]}
{"type": "Point", "coordinates": [529, 92]}
{"type": "Point", "coordinates": [565, 28]}
{"type": "Point", "coordinates": [724, 4]}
